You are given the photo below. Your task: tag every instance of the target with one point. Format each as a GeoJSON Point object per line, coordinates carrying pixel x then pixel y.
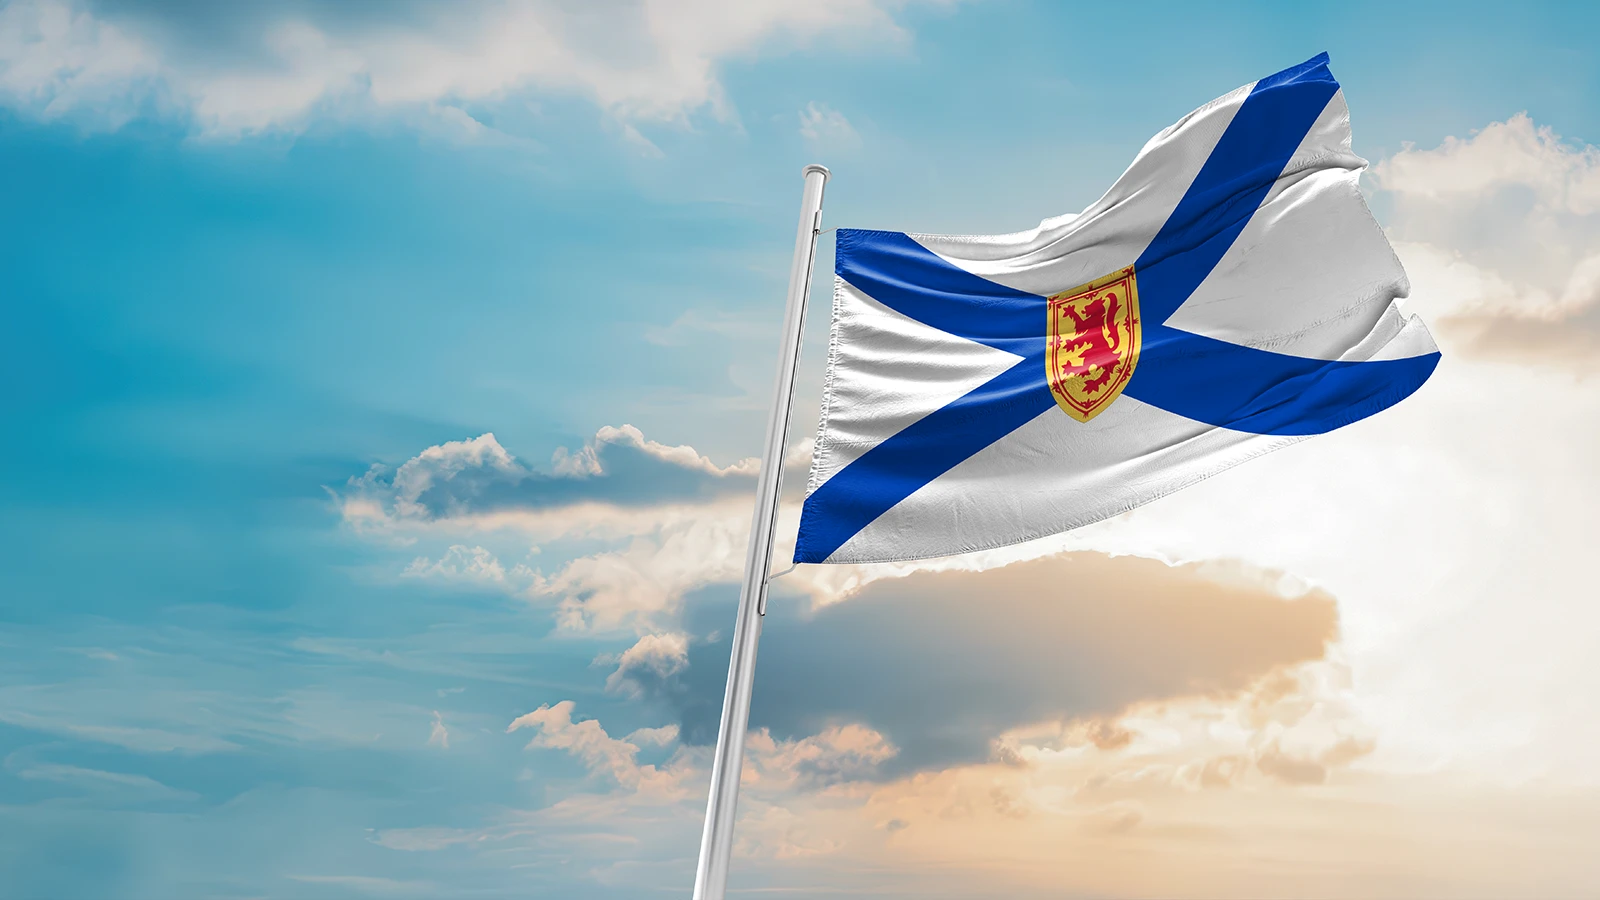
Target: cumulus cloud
{"type": "Point", "coordinates": [1151, 780]}
{"type": "Point", "coordinates": [670, 520]}
{"type": "Point", "coordinates": [642, 583]}
{"type": "Point", "coordinates": [664, 736]}
{"type": "Point", "coordinates": [241, 69]}
{"type": "Point", "coordinates": [478, 478]}
{"type": "Point", "coordinates": [649, 662]}
{"type": "Point", "coordinates": [943, 663]}
{"type": "Point", "coordinates": [1160, 774]}
{"type": "Point", "coordinates": [599, 751]}
{"type": "Point", "coordinates": [1503, 228]}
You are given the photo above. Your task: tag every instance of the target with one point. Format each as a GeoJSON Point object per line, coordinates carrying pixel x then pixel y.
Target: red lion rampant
{"type": "Point", "coordinates": [1094, 343]}
{"type": "Point", "coordinates": [1097, 344]}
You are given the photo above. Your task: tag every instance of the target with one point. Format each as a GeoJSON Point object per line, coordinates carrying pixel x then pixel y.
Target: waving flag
{"type": "Point", "coordinates": [1229, 295]}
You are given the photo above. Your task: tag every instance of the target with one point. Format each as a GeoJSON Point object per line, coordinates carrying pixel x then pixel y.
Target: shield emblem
{"type": "Point", "coordinates": [1093, 343]}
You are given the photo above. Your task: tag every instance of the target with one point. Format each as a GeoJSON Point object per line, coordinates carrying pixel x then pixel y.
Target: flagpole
{"type": "Point", "coordinates": [716, 842]}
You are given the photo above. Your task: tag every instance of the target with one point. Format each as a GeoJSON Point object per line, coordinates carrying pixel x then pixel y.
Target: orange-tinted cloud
{"type": "Point", "coordinates": [943, 663]}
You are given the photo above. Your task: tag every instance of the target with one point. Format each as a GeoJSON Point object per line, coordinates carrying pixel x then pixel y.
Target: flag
{"type": "Point", "coordinates": [1229, 295]}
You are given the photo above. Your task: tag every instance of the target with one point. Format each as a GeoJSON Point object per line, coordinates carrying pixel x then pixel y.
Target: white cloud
{"type": "Point", "coordinates": [600, 752]}
{"type": "Point", "coordinates": [371, 885]}
{"type": "Point", "coordinates": [1509, 220]}
{"type": "Point", "coordinates": [443, 462]}
{"type": "Point", "coordinates": [656, 60]}
{"type": "Point", "coordinates": [99, 780]}
{"type": "Point", "coordinates": [653, 658]}
{"type": "Point", "coordinates": [439, 735]}
{"type": "Point", "coordinates": [56, 61]}
{"type": "Point", "coordinates": [663, 736]}
{"type": "Point", "coordinates": [825, 126]}
{"type": "Point", "coordinates": [472, 565]}
{"type": "Point", "coordinates": [423, 839]}
{"type": "Point", "coordinates": [477, 483]}
{"type": "Point", "coordinates": [675, 521]}
{"type": "Point", "coordinates": [50, 718]}
{"type": "Point", "coordinates": [1513, 153]}
{"type": "Point", "coordinates": [642, 583]}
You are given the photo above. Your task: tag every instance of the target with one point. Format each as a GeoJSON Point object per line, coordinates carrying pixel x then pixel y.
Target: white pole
{"type": "Point", "coordinates": [716, 842]}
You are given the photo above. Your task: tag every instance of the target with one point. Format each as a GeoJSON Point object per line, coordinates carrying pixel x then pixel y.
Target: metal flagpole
{"type": "Point", "coordinates": [716, 842]}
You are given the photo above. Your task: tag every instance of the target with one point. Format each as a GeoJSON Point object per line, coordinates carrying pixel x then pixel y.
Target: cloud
{"type": "Point", "coordinates": [1504, 228]}
{"type": "Point", "coordinates": [599, 751]}
{"type": "Point", "coordinates": [670, 519]}
{"type": "Point", "coordinates": [138, 739]}
{"type": "Point", "coordinates": [943, 663]}
{"type": "Point", "coordinates": [1158, 780]}
{"type": "Point", "coordinates": [371, 885]}
{"type": "Point", "coordinates": [643, 583]}
{"type": "Point", "coordinates": [140, 786]}
{"type": "Point", "coordinates": [423, 839]}
{"type": "Point", "coordinates": [1168, 778]}
{"type": "Point", "coordinates": [824, 126]}
{"type": "Point", "coordinates": [439, 736]}
{"type": "Point", "coordinates": [651, 661]}
{"type": "Point", "coordinates": [664, 736]}
{"type": "Point", "coordinates": [56, 61]}
{"type": "Point", "coordinates": [470, 565]}
{"type": "Point", "coordinates": [478, 478]}
{"type": "Point", "coordinates": [241, 69]}
{"type": "Point", "coordinates": [838, 754]}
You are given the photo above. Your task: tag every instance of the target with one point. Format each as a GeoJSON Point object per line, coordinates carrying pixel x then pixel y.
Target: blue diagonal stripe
{"type": "Point", "coordinates": [905, 276]}
{"type": "Point", "coordinates": [1236, 177]}
{"type": "Point", "coordinates": [894, 469]}
{"type": "Point", "coordinates": [1245, 389]}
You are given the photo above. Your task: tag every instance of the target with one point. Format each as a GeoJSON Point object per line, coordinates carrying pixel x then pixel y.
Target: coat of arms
{"type": "Point", "coordinates": [1093, 343]}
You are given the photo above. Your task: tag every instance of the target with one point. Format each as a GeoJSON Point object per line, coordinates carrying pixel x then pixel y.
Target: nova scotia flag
{"type": "Point", "coordinates": [1229, 295]}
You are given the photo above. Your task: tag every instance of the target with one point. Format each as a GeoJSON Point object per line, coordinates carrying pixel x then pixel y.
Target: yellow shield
{"type": "Point", "coordinates": [1093, 344]}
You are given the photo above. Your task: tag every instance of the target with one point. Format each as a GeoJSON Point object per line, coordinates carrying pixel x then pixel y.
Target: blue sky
{"type": "Point", "coordinates": [249, 253]}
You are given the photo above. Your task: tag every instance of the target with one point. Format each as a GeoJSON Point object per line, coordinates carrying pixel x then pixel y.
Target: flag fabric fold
{"type": "Point", "coordinates": [1230, 294]}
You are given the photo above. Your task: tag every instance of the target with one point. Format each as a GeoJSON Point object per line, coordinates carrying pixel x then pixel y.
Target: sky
{"type": "Point", "coordinates": [382, 386]}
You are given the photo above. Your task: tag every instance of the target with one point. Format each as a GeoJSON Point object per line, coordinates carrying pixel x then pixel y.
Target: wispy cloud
{"type": "Point", "coordinates": [439, 735]}
{"type": "Point", "coordinates": [825, 127]}
{"type": "Point", "coordinates": [98, 780]}
{"type": "Point", "coordinates": [371, 884]}
{"type": "Point", "coordinates": [53, 717]}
